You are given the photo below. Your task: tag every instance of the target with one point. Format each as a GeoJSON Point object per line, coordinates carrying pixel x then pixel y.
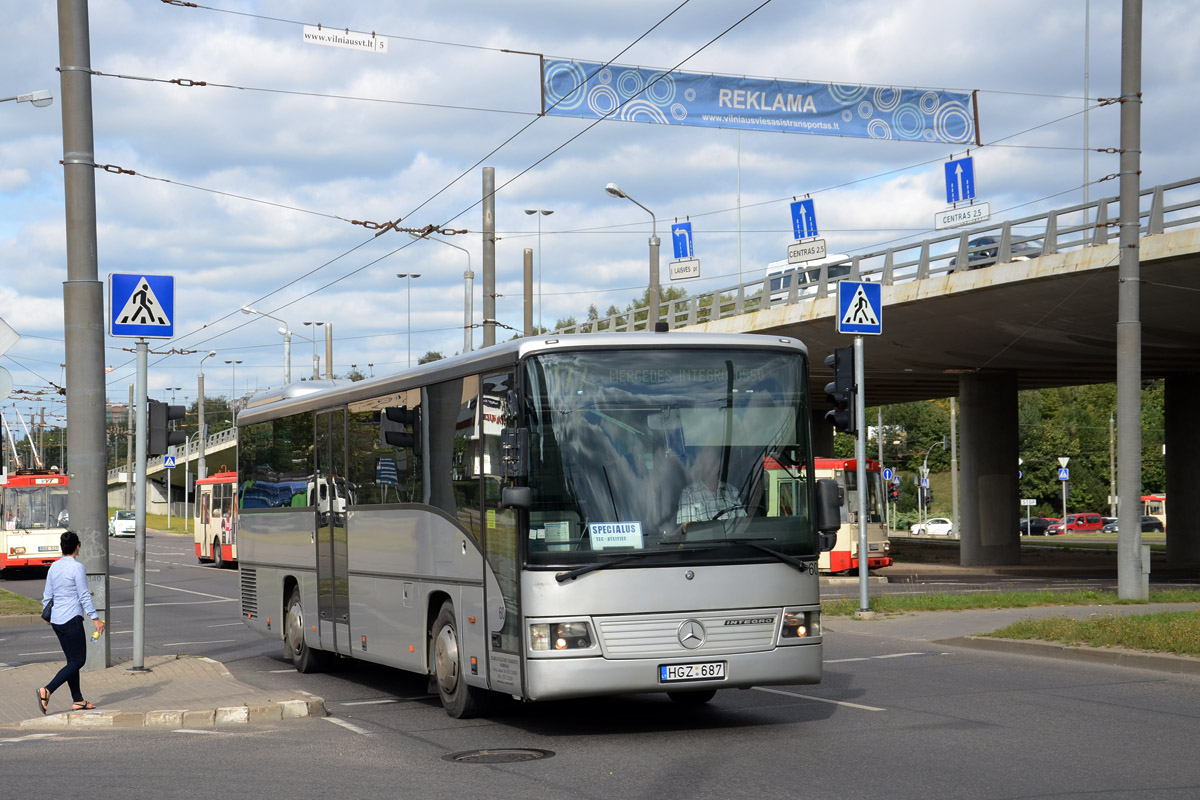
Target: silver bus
{"type": "Point", "coordinates": [548, 518]}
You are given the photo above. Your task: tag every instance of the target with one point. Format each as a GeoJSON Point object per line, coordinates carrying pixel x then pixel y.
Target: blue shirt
{"type": "Point", "coordinates": [66, 583]}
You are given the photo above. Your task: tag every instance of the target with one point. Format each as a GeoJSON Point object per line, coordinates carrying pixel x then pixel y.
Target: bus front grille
{"type": "Point", "coordinates": [249, 593]}
{"type": "Point", "coordinates": [659, 635]}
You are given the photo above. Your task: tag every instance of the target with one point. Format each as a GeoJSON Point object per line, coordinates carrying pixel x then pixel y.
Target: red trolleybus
{"type": "Point", "coordinates": [33, 506]}
{"type": "Point", "coordinates": [216, 519]}
{"type": "Point", "coordinates": [1155, 505]}
{"type": "Point", "coordinates": [844, 556]}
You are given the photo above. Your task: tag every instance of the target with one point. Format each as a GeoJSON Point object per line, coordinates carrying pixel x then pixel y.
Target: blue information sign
{"type": "Point", "coordinates": [860, 308]}
{"type": "Point", "coordinates": [681, 238]}
{"type": "Point", "coordinates": [960, 180]}
{"type": "Point", "coordinates": [804, 219]}
{"type": "Point", "coordinates": [141, 306]}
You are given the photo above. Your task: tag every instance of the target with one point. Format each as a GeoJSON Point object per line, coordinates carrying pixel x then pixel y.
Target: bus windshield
{"type": "Point", "coordinates": [639, 453]}
{"type": "Point", "coordinates": [35, 507]}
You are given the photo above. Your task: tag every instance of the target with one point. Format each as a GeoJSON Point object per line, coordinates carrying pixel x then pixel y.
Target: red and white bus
{"type": "Point", "coordinates": [844, 556]}
{"type": "Point", "coordinates": [216, 519]}
{"type": "Point", "coordinates": [33, 506]}
{"type": "Point", "coordinates": [1155, 505]}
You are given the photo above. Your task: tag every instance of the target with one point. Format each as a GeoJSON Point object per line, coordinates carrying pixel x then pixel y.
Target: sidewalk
{"type": "Point", "coordinates": [173, 692]}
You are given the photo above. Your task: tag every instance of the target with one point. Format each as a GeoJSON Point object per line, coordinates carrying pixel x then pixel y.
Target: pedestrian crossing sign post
{"type": "Point", "coordinates": [860, 308]}
{"type": "Point", "coordinates": [141, 306]}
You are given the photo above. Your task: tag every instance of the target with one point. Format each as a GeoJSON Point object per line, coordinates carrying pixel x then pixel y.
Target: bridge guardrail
{"type": "Point", "coordinates": [154, 462]}
{"type": "Point", "coordinates": [1161, 208]}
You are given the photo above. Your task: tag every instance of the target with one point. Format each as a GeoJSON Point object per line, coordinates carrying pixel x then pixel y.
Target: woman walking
{"type": "Point", "coordinates": [66, 587]}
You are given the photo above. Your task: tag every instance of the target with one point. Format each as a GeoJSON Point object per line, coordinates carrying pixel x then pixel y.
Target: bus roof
{"type": "Point", "coordinates": [313, 395]}
{"type": "Point", "coordinates": [218, 477]}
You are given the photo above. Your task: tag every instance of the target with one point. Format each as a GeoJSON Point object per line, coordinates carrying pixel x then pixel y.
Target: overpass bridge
{"type": "Point", "coordinates": [220, 449]}
{"type": "Point", "coordinates": [983, 334]}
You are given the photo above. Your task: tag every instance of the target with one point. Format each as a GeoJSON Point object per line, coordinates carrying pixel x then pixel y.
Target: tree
{"type": "Point", "coordinates": [430, 356]}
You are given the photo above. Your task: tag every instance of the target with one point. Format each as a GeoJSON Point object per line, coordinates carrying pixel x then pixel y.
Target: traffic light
{"type": "Point", "coordinates": [159, 438]}
{"type": "Point", "coordinates": [840, 391]}
{"type": "Point", "coordinates": [893, 492]}
{"type": "Point", "coordinates": [928, 496]}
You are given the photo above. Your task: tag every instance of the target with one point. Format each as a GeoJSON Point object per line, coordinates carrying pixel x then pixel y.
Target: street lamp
{"type": "Point", "coordinates": [233, 362]}
{"type": "Point", "coordinates": [287, 341]}
{"type": "Point", "coordinates": [200, 466]}
{"type": "Point", "coordinates": [408, 335]}
{"type": "Point", "coordinates": [652, 315]}
{"type": "Point", "coordinates": [41, 98]}
{"type": "Point", "coordinates": [468, 292]}
{"type": "Point", "coordinates": [316, 358]}
{"type": "Point", "coordinates": [540, 212]}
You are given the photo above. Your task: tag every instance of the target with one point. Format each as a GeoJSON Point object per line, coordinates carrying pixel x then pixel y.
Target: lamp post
{"type": "Point", "coordinates": [287, 341]}
{"type": "Point", "coordinates": [233, 362]}
{"type": "Point", "coordinates": [316, 358]}
{"type": "Point", "coordinates": [409, 276]}
{"type": "Point", "coordinates": [200, 465]}
{"type": "Point", "coordinates": [652, 297]}
{"type": "Point", "coordinates": [468, 292]}
{"type": "Point", "coordinates": [540, 212]}
{"type": "Point", "coordinates": [41, 98]}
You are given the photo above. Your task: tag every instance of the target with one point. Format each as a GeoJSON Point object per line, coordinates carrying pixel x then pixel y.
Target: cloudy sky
{"type": "Point", "coordinates": [244, 188]}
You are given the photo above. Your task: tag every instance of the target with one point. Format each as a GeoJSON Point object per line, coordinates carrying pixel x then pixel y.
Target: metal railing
{"type": "Point", "coordinates": [1164, 207]}
{"type": "Point", "coordinates": [155, 462]}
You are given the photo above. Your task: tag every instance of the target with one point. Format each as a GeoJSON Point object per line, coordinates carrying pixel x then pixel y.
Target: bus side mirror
{"type": "Point", "coordinates": [829, 512]}
{"type": "Point", "coordinates": [520, 497]}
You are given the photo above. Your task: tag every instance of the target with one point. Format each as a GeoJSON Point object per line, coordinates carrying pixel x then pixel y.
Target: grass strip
{"type": "Point", "coordinates": [902, 603]}
{"type": "Point", "coordinates": [17, 604]}
{"type": "Point", "coordinates": [1175, 632]}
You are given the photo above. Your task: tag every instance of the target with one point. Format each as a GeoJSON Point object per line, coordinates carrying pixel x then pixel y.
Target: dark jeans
{"type": "Point", "coordinates": [74, 647]}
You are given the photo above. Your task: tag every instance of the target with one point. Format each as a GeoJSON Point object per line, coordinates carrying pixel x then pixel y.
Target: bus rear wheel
{"type": "Point", "coordinates": [304, 658]}
{"type": "Point", "coordinates": [460, 700]}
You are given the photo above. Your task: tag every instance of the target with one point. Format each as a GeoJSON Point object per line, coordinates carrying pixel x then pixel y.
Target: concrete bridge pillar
{"type": "Point", "coordinates": [1182, 468]}
{"type": "Point", "coordinates": [989, 508]}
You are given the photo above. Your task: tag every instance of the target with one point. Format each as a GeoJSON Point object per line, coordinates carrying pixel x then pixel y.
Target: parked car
{"type": "Point", "coordinates": [1149, 525]}
{"type": "Point", "coordinates": [1035, 526]}
{"type": "Point", "coordinates": [985, 249]}
{"type": "Point", "coordinates": [123, 523]}
{"type": "Point", "coordinates": [934, 526]}
{"type": "Point", "coordinates": [1077, 523]}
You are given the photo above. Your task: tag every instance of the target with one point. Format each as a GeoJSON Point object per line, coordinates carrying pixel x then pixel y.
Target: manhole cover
{"type": "Point", "coordinates": [500, 756]}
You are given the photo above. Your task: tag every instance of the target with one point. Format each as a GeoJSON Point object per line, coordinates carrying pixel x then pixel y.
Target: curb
{"type": "Point", "coordinates": [181, 719]}
{"type": "Point", "coordinates": [1116, 656]}
{"type": "Point", "coordinates": [20, 619]}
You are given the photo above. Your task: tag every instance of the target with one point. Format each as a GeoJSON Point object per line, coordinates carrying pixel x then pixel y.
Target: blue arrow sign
{"type": "Point", "coordinates": [681, 238]}
{"type": "Point", "coordinates": [887, 473]}
{"type": "Point", "coordinates": [804, 219]}
{"type": "Point", "coordinates": [960, 180]}
{"type": "Point", "coordinates": [1064, 474]}
{"type": "Point", "coordinates": [860, 308]}
{"type": "Point", "coordinates": [141, 306]}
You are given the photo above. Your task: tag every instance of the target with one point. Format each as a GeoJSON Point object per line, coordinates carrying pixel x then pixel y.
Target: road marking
{"type": "Point", "coordinates": [369, 702]}
{"type": "Point", "coordinates": [819, 699]}
{"type": "Point", "coordinates": [348, 726]}
{"type": "Point", "coordinates": [176, 589]}
{"type": "Point", "coordinates": [33, 737]}
{"type": "Point", "coordinates": [227, 625]}
{"type": "Point", "coordinates": [280, 671]}
{"type": "Point", "coordinates": [197, 730]}
{"type": "Point", "coordinates": [179, 644]}
{"type": "Point", "coordinates": [898, 655]}
{"type": "Point", "coordinates": [871, 658]}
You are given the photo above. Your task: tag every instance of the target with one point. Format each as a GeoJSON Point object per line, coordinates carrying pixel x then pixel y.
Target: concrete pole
{"type": "Point", "coordinates": [287, 355]}
{"type": "Point", "coordinates": [887, 505]}
{"type": "Point", "coordinates": [200, 465]}
{"type": "Point", "coordinates": [139, 514]}
{"type": "Point", "coordinates": [653, 317]}
{"type": "Point", "coordinates": [83, 307]}
{"type": "Point", "coordinates": [954, 463]}
{"type": "Point", "coordinates": [129, 452]}
{"type": "Point", "coordinates": [1130, 583]}
{"type": "Point", "coordinates": [468, 306]}
{"type": "Point", "coordinates": [329, 350]}
{"type": "Point", "coordinates": [860, 455]}
{"type": "Point", "coordinates": [489, 256]}
{"type": "Point", "coordinates": [529, 292]}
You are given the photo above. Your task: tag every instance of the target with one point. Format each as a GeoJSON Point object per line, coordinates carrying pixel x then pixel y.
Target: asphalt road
{"type": "Point", "coordinates": [893, 718]}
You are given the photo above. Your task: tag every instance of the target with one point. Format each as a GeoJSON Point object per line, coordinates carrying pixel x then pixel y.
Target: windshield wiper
{"type": "Point", "coordinates": [799, 564]}
{"type": "Point", "coordinates": [571, 575]}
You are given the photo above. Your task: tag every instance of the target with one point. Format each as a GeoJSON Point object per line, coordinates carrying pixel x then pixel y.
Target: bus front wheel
{"type": "Point", "coordinates": [460, 700]}
{"type": "Point", "coordinates": [217, 560]}
{"type": "Point", "coordinates": [304, 658]}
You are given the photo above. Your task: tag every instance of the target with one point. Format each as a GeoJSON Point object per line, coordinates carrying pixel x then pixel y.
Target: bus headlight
{"type": "Point", "coordinates": [800, 625]}
{"type": "Point", "coordinates": [560, 636]}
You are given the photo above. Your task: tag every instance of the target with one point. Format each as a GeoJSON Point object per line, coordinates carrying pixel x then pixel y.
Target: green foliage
{"type": "Point", "coordinates": [904, 603]}
{"type": "Point", "coordinates": [1169, 632]}
{"type": "Point", "coordinates": [430, 356]}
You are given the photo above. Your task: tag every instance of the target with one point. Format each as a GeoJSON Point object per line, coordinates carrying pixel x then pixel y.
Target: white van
{"type": "Point", "coordinates": [778, 278]}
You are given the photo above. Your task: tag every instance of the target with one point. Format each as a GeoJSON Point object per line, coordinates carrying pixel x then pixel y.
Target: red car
{"type": "Point", "coordinates": [1077, 523]}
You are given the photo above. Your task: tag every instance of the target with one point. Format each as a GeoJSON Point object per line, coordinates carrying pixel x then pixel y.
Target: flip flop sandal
{"type": "Point", "coordinates": [82, 705]}
{"type": "Point", "coordinates": [43, 699]}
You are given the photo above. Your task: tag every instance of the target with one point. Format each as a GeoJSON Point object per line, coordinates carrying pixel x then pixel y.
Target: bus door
{"type": "Point", "coordinates": [333, 580]}
{"type": "Point", "coordinates": [501, 595]}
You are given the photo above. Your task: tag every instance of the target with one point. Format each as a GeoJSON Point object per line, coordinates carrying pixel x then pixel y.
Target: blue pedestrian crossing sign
{"type": "Point", "coordinates": [169, 462]}
{"type": "Point", "coordinates": [1064, 474]}
{"type": "Point", "coordinates": [804, 219]}
{"type": "Point", "coordinates": [141, 306]}
{"type": "Point", "coordinates": [860, 308]}
{"type": "Point", "coordinates": [681, 238]}
{"type": "Point", "coordinates": [960, 180]}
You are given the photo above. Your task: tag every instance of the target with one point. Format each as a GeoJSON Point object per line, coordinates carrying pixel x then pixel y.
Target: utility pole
{"type": "Point", "coordinates": [83, 307]}
{"type": "Point", "coordinates": [489, 256]}
{"type": "Point", "coordinates": [129, 451]}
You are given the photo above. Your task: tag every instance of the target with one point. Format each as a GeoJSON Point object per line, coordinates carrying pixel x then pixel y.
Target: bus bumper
{"type": "Point", "coordinates": [560, 678]}
{"type": "Point", "coordinates": [7, 561]}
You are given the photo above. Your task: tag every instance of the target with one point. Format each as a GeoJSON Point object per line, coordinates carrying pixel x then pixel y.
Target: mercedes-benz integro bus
{"type": "Point", "coordinates": [514, 524]}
